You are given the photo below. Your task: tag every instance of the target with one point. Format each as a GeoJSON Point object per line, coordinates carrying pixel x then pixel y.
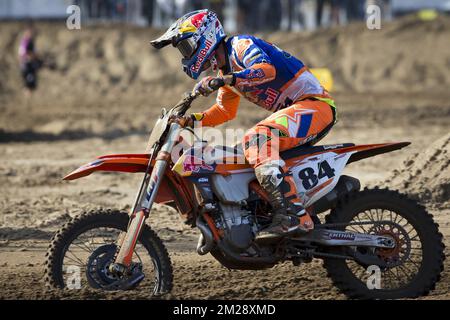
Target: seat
{"type": "Point", "coordinates": [308, 149]}
{"type": "Point", "coordinates": [236, 151]}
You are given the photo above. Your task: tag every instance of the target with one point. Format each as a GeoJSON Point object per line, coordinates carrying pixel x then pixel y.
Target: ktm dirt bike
{"type": "Point", "coordinates": [373, 232]}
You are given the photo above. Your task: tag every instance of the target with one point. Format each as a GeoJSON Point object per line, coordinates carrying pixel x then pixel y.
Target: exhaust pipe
{"type": "Point", "coordinates": [205, 240]}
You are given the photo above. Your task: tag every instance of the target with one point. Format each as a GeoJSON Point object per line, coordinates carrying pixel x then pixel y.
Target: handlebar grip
{"type": "Point", "coordinates": [216, 83]}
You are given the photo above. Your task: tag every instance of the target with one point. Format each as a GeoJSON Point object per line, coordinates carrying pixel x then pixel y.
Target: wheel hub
{"type": "Point", "coordinates": [395, 255]}
{"type": "Point", "coordinates": [100, 276]}
{"type": "Point", "coordinates": [97, 269]}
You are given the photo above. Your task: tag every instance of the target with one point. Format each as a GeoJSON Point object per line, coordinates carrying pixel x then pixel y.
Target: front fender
{"type": "Point", "coordinates": [114, 162]}
{"type": "Point", "coordinates": [173, 189]}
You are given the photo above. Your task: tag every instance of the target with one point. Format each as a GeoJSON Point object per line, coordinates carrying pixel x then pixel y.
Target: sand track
{"type": "Point", "coordinates": [109, 87]}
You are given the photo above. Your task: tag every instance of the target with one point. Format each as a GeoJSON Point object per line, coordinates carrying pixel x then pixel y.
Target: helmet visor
{"type": "Point", "coordinates": [187, 47]}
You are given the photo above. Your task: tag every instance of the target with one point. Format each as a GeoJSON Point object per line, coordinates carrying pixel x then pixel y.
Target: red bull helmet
{"type": "Point", "coordinates": [196, 35]}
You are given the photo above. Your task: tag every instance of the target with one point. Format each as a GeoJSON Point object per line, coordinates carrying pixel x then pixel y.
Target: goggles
{"type": "Point", "coordinates": [187, 47]}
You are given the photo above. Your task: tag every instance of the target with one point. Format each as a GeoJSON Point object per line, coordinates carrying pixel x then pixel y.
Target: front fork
{"type": "Point", "coordinates": [144, 201]}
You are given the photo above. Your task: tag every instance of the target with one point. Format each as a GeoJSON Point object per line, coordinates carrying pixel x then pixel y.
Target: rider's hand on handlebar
{"type": "Point", "coordinates": [208, 85]}
{"type": "Point", "coordinates": [184, 121]}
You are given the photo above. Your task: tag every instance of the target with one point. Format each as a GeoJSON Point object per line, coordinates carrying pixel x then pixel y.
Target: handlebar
{"type": "Point", "coordinates": [216, 83]}
{"type": "Point", "coordinates": [184, 104]}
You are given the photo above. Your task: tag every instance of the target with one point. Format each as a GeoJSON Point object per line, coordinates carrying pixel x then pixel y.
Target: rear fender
{"type": "Point", "coordinates": [370, 150]}
{"type": "Point", "coordinates": [317, 173]}
{"type": "Point", "coordinates": [356, 152]}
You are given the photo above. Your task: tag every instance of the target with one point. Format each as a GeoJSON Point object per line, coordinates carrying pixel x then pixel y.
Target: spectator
{"type": "Point", "coordinates": [272, 15]}
{"type": "Point", "coordinates": [336, 6]}
{"type": "Point", "coordinates": [355, 10]}
{"type": "Point", "coordinates": [148, 7]}
{"type": "Point", "coordinates": [28, 59]}
{"type": "Point", "coordinates": [292, 11]}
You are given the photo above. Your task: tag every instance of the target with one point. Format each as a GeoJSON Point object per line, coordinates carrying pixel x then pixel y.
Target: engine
{"type": "Point", "coordinates": [237, 222]}
{"type": "Point", "coordinates": [239, 226]}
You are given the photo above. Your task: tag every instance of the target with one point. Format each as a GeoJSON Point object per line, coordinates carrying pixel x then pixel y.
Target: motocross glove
{"type": "Point", "coordinates": [206, 86]}
{"type": "Point", "coordinates": [188, 120]}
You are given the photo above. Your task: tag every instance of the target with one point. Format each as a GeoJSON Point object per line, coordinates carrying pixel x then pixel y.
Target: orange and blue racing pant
{"type": "Point", "coordinates": [304, 122]}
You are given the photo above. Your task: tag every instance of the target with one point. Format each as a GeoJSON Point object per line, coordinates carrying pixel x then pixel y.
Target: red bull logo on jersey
{"type": "Point", "coordinates": [272, 96]}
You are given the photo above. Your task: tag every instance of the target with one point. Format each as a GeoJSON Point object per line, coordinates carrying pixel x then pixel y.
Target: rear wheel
{"type": "Point", "coordinates": [411, 269]}
{"type": "Point", "coordinates": [82, 250]}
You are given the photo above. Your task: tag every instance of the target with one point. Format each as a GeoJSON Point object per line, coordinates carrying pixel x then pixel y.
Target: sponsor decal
{"type": "Point", "coordinates": [94, 163]}
{"type": "Point", "coordinates": [194, 164]}
{"type": "Point", "coordinates": [254, 57]}
{"type": "Point", "coordinates": [201, 56]}
{"type": "Point", "coordinates": [257, 139]}
{"type": "Point", "coordinates": [255, 74]}
{"type": "Point", "coordinates": [333, 146]}
{"type": "Point", "coordinates": [341, 236]}
{"type": "Point", "coordinates": [272, 96]}
{"type": "Point", "coordinates": [197, 19]}
{"type": "Point", "coordinates": [187, 26]}
{"type": "Point", "coordinates": [151, 188]}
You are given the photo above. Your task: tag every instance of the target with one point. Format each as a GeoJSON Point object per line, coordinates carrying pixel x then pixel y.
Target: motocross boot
{"type": "Point", "coordinates": [289, 215]}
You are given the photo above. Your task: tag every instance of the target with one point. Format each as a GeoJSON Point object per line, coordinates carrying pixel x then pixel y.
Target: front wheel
{"type": "Point", "coordinates": [80, 253]}
{"type": "Point", "coordinates": [411, 269]}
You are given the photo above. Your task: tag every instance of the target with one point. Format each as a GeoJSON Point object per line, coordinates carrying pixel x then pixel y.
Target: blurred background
{"type": "Point", "coordinates": [67, 96]}
{"type": "Point", "coordinates": [237, 15]}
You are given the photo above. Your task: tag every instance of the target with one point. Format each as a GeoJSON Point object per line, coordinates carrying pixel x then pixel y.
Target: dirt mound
{"type": "Point", "coordinates": [404, 55]}
{"type": "Point", "coordinates": [109, 81]}
{"type": "Point", "coordinates": [426, 174]}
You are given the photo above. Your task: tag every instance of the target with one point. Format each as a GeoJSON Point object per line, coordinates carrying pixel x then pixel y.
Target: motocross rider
{"type": "Point", "coordinates": [303, 111]}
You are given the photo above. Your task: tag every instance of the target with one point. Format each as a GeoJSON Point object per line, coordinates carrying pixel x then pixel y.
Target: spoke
{"type": "Point", "coordinates": [352, 228]}
{"type": "Point", "coordinates": [74, 258]}
{"type": "Point", "coordinates": [369, 217]}
{"type": "Point", "coordinates": [409, 245]}
{"type": "Point", "coordinates": [389, 271]}
{"type": "Point", "coordinates": [408, 275]}
{"type": "Point", "coordinates": [82, 246]}
{"type": "Point", "coordinates": [361, 226]}
{"type": "Point", "coordinates": [396, 217]}
{"type": "Point", "coordinates": [403, 266]}
{"type": "Point", "coordinates": [414, 262]}
{"type": "Point", "coordinates": [86, 241]}
{"type": "Point", "coordinates": [90, 240]}
{"type": "Point", "coordinates": [407, 265]}
{"type": "Point", "coordinates": [74, 263]}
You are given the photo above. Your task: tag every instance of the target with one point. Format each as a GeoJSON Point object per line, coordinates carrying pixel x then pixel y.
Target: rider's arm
{"type": "Point", "coordinates": [258, 68]}
{"type": "Point", "coordinates": [223, 110]}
